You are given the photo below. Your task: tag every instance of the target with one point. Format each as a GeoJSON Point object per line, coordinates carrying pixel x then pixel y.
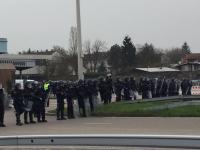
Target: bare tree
{"type": "Point", "coordinates": [172, 56]}
{"type": "Point", "coordinates": [73, 41]}
{"type": "Point", "coordinates": [98, 46]}
{"type": "Point", "coordinates": [59, 67]}
{"type": "Point", "coordinates": [88, 61]}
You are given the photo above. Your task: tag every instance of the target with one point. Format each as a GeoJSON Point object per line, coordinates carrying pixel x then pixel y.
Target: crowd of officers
{"type": "Point", "coordinates": [130, 89]}
{"type": "Point", "coordinates": [33, 98]}
{"type": "Point", "coordinates": [29, 101]}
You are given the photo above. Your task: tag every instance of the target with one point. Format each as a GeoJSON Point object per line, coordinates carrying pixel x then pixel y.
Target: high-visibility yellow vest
{"type": "Point", "coordinates": [46, 86]}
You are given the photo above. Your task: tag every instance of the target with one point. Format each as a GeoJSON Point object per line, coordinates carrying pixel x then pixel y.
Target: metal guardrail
{"type": "Point", "coordinates": [160, 141]}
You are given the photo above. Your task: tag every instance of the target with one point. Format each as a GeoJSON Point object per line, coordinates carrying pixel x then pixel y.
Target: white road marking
{"type": "Point", "coordinates": [98, 123]}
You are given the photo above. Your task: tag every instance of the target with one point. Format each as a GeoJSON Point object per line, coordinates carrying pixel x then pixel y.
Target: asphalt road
{"type": "Point", "coordinates": [108, 125]}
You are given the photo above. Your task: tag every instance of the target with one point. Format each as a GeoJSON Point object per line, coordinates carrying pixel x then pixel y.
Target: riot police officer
{"type": "Point", "coordinates": [118, 89]}
{"type": "Point", "coordinates": [2, 109]}
{"type": "Point", "coordinates": [70, 94]}
{"type": "Point", "coordinates": [127, 96]}
{"type": "Point", "coordinates": [189, 89]}
{"type": "Point", "coordinates": [17, 96]}
{"type": "Point", "coordinates": [102, 89]}
{"type": "Point", "coordinates": [40, 101]}
{"type": "Point", "coordinates": [164, 88]}
{"type": "Point", "coordinates": [90, 93]}
{"type": "Point", "coordinates": [172, 88]}
{"type": "Point", "coordinates": [46, 87]}
{"type": "Point", "coordinates": [28, 96]}
{"type": "Point", "coordinates": [60, 95]}
{"type": "Point", "coordinates": [133, 88]}
{"type": "Point", "coordinates": [81, 94]}
{"type": "Point", "coordinates": [109, 89]}
{"type": "Point", "coordinates": [158, 87]}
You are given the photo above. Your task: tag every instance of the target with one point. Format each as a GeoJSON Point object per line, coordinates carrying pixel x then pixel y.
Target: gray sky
{"type": "Point", "coordinates": [41, 24]}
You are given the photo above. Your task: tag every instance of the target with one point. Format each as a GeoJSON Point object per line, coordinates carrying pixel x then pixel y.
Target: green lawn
{"type": "Point", "coordinates": [146, 109]}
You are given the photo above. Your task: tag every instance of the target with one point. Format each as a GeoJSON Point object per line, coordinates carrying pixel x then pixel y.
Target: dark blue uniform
{"type": "Point", "coordinates": [70, 93]}
{"type": "Point", "coordinates": [28, 96]}
{"type": "Point", "coordinates": [102, 90]}
{"type": "Point", "coordinates": [118, 89]}
{"type": "Point", "coordinates": [133, 87]}
{"type": "Point", "coordinates": [127, 89]}
{"type": "Point", "coordinates": [172, 88]}
{"type": "Point", "coordinates": [17, 96]}
{"type": "Point", "coordinates": [2, 110]}
{"type": "Point", "coordinates": [60, 95]}
{"type": "Point", "coordinates": [40, 97]}
{"type": "Point", "coordinates": [109, 90]}
{"type": "Point", "coordinates": [81, 94]}
{"type": "Point", "coordinates": [90, 93]}
{"type": "Point", "coordinates": [164, 88]}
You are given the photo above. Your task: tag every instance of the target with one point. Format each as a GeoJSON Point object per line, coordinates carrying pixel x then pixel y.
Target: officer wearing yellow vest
{"type": "Point", "coordinates": [46, 86]}
{"type": "Point", "coordinates": [46, 89]}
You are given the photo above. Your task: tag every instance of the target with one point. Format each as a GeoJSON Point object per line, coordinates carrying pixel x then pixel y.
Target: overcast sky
{"type": "Point", "coordinates": [41, 24]}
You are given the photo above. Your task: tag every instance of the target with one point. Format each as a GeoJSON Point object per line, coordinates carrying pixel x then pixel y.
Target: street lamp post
{"type": "Point", "coordinates": [79, 46]}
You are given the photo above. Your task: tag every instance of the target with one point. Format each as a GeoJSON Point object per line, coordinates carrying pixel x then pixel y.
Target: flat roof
{"type": "Point", "coordinates": [158, 69]}
{"type": "Point", "coordinates": [3, 40]}
{"type": "Point", "coordinates": [32, 71]}
{"type": "Point", "coordinates": [25, 57]}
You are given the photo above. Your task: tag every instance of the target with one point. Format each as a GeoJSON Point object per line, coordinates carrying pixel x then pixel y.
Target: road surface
{"type": "Point", "coordinates": [107, 125]}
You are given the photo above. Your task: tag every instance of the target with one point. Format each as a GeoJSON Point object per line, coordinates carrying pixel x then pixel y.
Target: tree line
{"type": "Point", "coordinates": [124, 57]}
{"type": "Point", "coordinates": [98, 59]}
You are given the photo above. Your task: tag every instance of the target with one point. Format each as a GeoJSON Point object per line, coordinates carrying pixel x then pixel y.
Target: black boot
{"type": "Point", "coordinates": [44, 120]}
{"type": "Point", "coordinates": [2, 125]}
{"type": "Point", "coordinates": [32, 122]}
{"type": "Point", "coordinates": [19, 124]}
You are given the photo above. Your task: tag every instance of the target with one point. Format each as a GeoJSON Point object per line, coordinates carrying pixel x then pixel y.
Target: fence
{"type": "Point", "coordinates": [160, 141]}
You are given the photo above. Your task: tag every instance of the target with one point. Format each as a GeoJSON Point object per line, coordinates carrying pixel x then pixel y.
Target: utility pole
{"type": "Point", "coordinates": [79, 46]}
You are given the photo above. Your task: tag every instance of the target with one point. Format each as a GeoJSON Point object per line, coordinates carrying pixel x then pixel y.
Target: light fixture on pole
{"type": "Point", "coordinates": [79, 46]}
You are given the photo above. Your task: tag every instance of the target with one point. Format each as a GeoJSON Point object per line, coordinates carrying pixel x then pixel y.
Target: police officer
{"type": "Point", "coordinates": [148, 88]}
{"type": "Point", "coordinates": [2, 110]}
{"type": "Point", "coordinates": [41, 101]}
{"type": "Point", "coordinates": [60, 95]}
{"type": "Point", "coordinates": [95, 92]}
{"type": "Point", "coordinates": [164, 88]}
{"type": "Point", "coordinates": [81, 94]}
{"type": "Point", "coordinates": [145, 88]}
{"type": "Point", "coordinates": [133, 88]}
{"type": "Point", "coordinates": [28, 96]}
{"type": "Point", "coordinates": [189, 89]}
{"type": "Point", "coordinates": [70, 94]}
{"type": "Point", "coordinates": [109, 89]}
{"type": "Point", "coordinates": [90, 93]}
{"type": "Point", "coordinates": [118, 89]}
{"type": "Point", "coordinates": [172, 88]}
{"type": "Point", "coordinates": [127, 96]}
{"type": "Point", "coordinates": [54, 86]}
{"type": "Point", "coordinates": [153, 87]}
{"type": "Point", "coordinates": [47, 90]}
{"type": "Point", "coordinates": [17, 96]}
{"type": "Point", "coordinates": [102, 89]}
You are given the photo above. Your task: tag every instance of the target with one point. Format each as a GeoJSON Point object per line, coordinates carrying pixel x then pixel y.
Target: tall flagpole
{"type": "Point", "coordinates": [79, 46]}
